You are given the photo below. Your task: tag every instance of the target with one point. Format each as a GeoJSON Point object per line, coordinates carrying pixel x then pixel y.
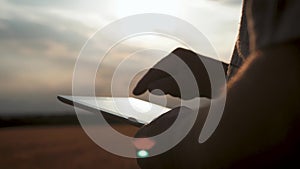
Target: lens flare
{"type": "Point", "coordinates": [142, 153]}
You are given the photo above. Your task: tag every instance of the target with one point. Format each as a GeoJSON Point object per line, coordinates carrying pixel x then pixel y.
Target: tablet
{"type": "Point", "coordinates": [127, 109]}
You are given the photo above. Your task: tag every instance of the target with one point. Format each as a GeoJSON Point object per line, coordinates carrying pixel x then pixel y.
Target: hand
{"type": "Point", "coordinates": [189, 144]}
{"type": "Point", "coordinates": [158, 78]}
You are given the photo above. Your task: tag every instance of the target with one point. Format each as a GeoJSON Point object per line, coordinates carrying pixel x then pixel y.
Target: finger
{"type": "Point", "coordinates": [167, 85]}
{"type": "Point", "coordinates": [151, 76]}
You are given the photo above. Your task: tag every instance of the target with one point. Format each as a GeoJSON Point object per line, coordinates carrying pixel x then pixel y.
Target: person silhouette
{"type": "Point", "coordinates": [260, 123]}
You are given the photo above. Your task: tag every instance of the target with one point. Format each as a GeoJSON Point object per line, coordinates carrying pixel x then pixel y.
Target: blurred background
{"type": "Point", "coordinates": [39, 44]}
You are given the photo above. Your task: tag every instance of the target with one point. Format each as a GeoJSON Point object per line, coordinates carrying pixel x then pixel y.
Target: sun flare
{"type": "Point", "coordinates": [130, 7]}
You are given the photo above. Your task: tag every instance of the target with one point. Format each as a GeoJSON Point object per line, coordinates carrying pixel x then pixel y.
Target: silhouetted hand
{"type": "Point", "coordinates": [157, 78]}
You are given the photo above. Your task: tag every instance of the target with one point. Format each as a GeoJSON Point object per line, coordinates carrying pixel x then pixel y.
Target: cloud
{"type": "Point", "coordinates": [229, 2]}
{"type": "Point", "coordinates": [46, 3]}
{"type": "Point", "coordinates": [36, 63]}
{"type": "Point", "coordinates": [27, 31]}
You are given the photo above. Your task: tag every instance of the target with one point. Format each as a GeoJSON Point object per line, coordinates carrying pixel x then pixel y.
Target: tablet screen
{"type": "Point", "coordinates": [126, 107]}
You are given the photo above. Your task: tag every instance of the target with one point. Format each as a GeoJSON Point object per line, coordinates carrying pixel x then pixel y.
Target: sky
{"type": "Point", "coordinates": [41, 40]}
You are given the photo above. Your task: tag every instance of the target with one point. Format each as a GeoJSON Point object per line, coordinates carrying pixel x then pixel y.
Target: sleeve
{"type": "Point", "coordinates": [241, 49]}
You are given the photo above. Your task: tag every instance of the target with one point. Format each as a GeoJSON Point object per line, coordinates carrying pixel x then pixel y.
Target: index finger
{"type": "Point", "coordinates": [151, 76]}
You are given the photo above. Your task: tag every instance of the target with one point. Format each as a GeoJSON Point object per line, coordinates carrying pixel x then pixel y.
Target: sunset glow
{"type": "Point", "coordinates": [40, 41]}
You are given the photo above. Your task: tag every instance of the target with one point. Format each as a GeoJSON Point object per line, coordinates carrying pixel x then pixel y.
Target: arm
{"type": "Point", "coordinates": [260, 115]}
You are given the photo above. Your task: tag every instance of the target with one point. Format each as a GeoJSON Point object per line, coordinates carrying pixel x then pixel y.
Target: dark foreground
{"type": "Point", "coordinates": [49, 147]}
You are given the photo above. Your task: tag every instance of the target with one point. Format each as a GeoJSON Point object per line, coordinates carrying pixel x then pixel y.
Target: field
{"type": "Point", "coordinates": [55, 147]}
